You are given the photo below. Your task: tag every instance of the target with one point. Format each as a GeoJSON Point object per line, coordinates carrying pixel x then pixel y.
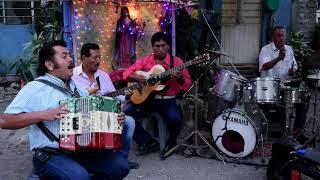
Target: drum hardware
{"type": "Point", "coordinates": [196, 134]}
{"type": "Point", "coordinates": [291, 97]}
{"type": "Point", "coordinates": [290, 120]}
{"type": "Point", "coordinates": [314, 119]}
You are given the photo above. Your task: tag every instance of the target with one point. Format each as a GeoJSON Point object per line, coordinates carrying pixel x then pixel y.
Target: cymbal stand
{"type": "Point", "coordinates": [314, 119]}
{"type": "Point", "coordinates": [196, 134]}
{"type": "Point", "coordinates": [289, 118]}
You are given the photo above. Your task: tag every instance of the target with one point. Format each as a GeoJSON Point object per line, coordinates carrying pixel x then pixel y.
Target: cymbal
{"type": "Point", "coordinates": [218, 52]}
{"type": "Point", "coordinates": [314, 76]}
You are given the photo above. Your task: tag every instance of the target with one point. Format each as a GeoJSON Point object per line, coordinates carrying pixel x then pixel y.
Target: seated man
{"type": "Point", "coordinates": [164, 102]}
{"type": "Point", "coordinates": [38, 102]}
{"type": "Point", "coordinates": [87, 76]}
{"type": "Point", "coordinates": [277, 60]}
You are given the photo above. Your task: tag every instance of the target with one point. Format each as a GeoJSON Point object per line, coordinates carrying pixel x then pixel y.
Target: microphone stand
{"type": "Point", "coordinates": [196, 134]}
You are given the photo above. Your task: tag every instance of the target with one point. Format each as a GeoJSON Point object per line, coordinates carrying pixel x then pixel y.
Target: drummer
{"type": "Point", "coordinates": [277, 60]}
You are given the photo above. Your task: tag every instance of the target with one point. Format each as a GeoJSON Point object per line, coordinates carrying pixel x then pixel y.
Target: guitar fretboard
{"type": "Point", "coordinates": [197, 60]}
{"type": "Point", "coordinates": [123, 90]}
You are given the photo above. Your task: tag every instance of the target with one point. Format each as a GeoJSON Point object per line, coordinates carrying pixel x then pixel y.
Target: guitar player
{"type": "Point", "coordinates": [163, 102]}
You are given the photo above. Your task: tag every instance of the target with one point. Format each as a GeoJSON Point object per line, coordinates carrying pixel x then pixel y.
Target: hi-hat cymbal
{"type": "Point", "coordinates": [314, 76]}
{"type": "Point", "coordinates": [218, 52]}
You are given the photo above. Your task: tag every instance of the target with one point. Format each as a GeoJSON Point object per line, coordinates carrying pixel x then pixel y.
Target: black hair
{"type": "Point", "coordinates": [46, 53]}
{"type": "Point", "coordinates": [160, 36]}
{"type": "Point", "coordinates": [276, 28]}
{"type": "Point", "coordinates": [85, 50]}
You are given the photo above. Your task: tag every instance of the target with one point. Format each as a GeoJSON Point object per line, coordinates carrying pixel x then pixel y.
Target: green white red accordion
{"type": "Point", "coordinates": [91, 124]}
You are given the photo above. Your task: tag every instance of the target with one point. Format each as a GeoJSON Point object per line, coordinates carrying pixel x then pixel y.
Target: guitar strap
{"type": "Point", "coordinates": [41, 125]}
{"type": "Point", "coordinates": [171, 61]}
{"type": "Point", "coordinates": [168, 78]}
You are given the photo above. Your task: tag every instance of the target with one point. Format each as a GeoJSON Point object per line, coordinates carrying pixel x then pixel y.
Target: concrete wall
{"type": "Point", "coordinates": [12, 39]}
{"type": "Point", "coordinates": [304, 17]}
{"type": "Point", "coordinates": [281, 16]}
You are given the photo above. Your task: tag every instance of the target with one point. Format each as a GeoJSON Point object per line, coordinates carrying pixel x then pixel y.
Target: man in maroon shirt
{"type": "Point", "coordinates": [164, 102]}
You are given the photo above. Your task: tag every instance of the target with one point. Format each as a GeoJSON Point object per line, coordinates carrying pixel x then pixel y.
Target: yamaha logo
{"type": "Point", "coordinates": [236, 120]}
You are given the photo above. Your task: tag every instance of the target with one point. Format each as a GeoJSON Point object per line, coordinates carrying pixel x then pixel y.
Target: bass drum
{"type": "Point", "coordinates": [236, 133]}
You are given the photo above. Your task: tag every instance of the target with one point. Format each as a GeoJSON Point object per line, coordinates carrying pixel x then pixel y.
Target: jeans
{"type": "Point", "coordinates": [167, 108]}
{"type": "Point", "coordinates": [127, 133]}
{"type": "Point", "coordinates": [106, 164]}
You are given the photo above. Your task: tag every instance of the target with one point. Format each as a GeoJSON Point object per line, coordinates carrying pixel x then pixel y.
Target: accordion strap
{"type": "Point", "coordinates": [62, 89]}
{"type": "Point", "coordinates": [41, 125]}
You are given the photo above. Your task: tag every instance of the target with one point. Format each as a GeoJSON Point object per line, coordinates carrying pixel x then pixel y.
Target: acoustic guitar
{"type": "Point", "coordinates": [141, 91]}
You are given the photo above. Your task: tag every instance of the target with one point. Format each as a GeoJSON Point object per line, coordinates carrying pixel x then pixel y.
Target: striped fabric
{"type": "Point", "coordinates": [37, 96]}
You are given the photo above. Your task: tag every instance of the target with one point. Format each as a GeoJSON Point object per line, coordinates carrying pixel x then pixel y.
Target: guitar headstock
{"type": "Point", "coordinates": [201, 58]}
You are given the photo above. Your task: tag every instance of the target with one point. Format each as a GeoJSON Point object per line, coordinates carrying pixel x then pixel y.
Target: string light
{"type": "Point", "coordinates": [95, 22]}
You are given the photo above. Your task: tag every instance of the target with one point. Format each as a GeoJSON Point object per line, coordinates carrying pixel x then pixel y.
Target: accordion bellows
{"type": "Point", "coordinates": [91, 124]}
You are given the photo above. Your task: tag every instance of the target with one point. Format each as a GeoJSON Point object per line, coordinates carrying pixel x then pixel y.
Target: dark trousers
{"type": "Point", "coordinates": [167, 108]}
{"type": "Point", "coordinates": [106, 164]}
{"type": "Point", "coordinates": [280, 115]}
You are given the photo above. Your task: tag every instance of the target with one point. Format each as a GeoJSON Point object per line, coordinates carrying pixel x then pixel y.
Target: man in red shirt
{"type": "Point", "coordinates": [164, 102]}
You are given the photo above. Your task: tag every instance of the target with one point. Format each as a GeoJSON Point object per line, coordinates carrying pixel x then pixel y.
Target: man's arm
{"type": "Point", "coordinates": [16, 121]}
{"type": "Point", "coordinates": [264, 58]}
{"type": "Point", "coordinates": [130, 75]}
{"type": "Point", "coordinates": [270, 64]}
{"type": "Point", "coordinates": [136, 78]}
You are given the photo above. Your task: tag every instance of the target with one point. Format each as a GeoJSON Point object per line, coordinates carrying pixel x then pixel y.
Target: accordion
{"type": "Point", "coordinates": [90, 124]}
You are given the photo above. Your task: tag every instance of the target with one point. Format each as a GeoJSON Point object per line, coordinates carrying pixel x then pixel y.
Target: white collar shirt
{"type": "Point", "coordinates": [279, 70]}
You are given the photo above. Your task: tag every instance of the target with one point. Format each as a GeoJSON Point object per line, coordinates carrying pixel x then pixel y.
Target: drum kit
{"type": "Point", "coordinates": [238, 131]}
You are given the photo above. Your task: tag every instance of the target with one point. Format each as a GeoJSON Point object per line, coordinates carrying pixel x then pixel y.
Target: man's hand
{"type": "Point", "coordinates": [121, 117]}
{"type": "Point", "coordinates": [56, 113]}
{"type": "Point", "coordinates": [127, 94]}
{"type": "Point", "coordinates": [93, 90]}
{"type": "Point", "coordinates": [179, 77]}
{"type": "Point", "coordinates": [291, 71]}
{"type": "Point", "coordinates": [282, 54]}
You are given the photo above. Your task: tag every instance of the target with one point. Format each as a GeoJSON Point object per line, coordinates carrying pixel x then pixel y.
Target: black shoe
{"type": "Point", "coordinates": [165, 152]}
{"type": "Point", "coordinates": [133, 165]}
{"type": "Point", "coordinates": [149, 147]}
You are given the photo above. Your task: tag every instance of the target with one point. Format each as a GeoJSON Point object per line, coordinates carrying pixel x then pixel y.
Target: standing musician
{"type": "Point", "coordinates": [87, 76]}
{"type": "Point", "coordinates": [164, 102]}
{"type": "Point", "coordinates": [38, 102]}
{"type": "Point", "coordinates": [277, 60]}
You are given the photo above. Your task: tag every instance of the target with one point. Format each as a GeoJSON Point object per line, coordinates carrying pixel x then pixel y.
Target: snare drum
{"type": "Point", "coordinates": [294, 95]}
{"type": "Point", "coordinates": [226, 83]}
{"type": "Point", "coordinates": [265, 90]}
{"type": "Point", "coordinates": [236, 133]}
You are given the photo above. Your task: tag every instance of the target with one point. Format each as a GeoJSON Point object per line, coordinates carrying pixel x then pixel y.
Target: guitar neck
{"type": "Point", "coordinates": [177, 68]}
{"type": "Point", "coordinates": [198, 60]}
{"type": "Point", "coordinates": [123, 90]}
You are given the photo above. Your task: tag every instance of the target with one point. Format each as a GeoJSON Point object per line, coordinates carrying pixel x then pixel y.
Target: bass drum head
{"type": "Point", "coordinates": [235, 137]}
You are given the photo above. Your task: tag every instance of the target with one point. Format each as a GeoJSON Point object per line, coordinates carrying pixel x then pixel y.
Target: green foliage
{"type": "Point", "coordinates": [301, 49]}
{"type": "Point", "coordinates": [23, 68]}
{"type": "Point", "coordinates": [47, 27]}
